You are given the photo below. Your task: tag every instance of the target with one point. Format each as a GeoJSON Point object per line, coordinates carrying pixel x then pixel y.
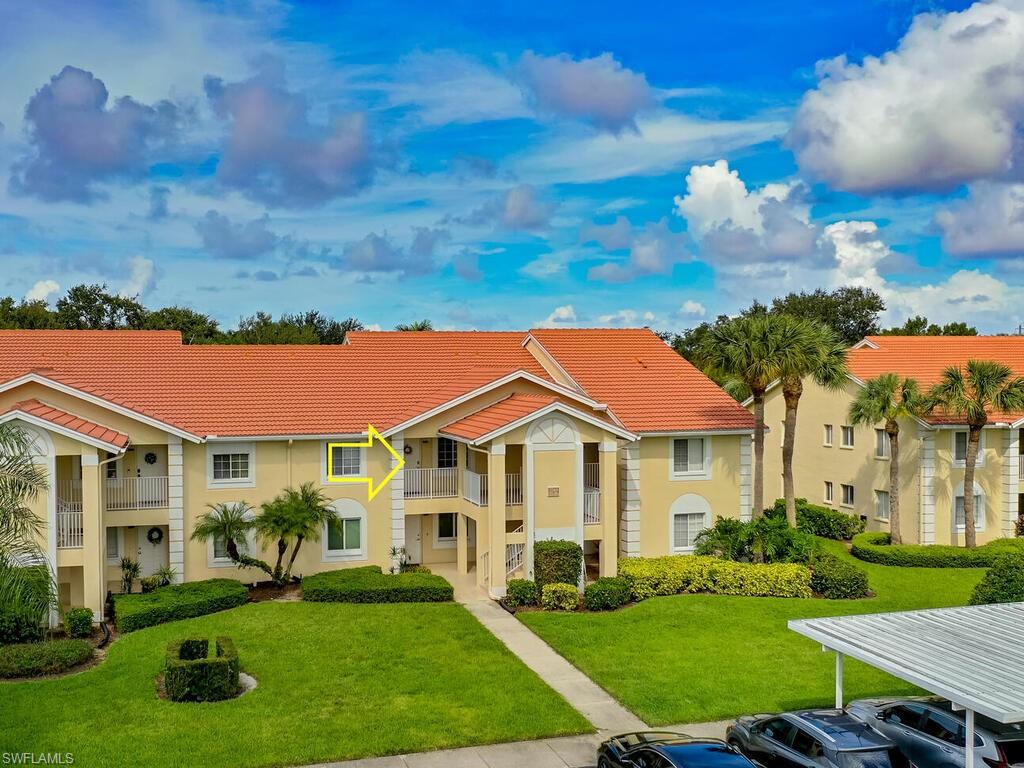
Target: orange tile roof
{"type": "Point", "coordinates": [67, 420]}
{"type": "Point", "coordinates": [383, 378]}
{"type": "Point", "coordinates": [644, 382]}
{"type": "Point", "coordinates": [925, 357]}
{"type": "Point", "coordinates": [497, 415]}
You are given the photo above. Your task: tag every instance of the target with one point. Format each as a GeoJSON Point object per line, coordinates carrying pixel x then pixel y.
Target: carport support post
{"type": "Point", "coordinates": [969, 717]}
{"type": "Point", "coordinates": [839, 680]}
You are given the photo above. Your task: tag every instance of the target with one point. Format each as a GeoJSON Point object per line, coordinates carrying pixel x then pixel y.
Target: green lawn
{"type": "Point", "coordinates": [334, 682]}
{"type": "Point", "coordinates": [694, 658]}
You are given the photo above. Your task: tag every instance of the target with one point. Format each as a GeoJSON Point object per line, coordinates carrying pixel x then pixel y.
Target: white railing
{"type": "Point", "coordinates": [474, 487]}
{"type": "Point", "coordinates": [514, 490]}
{"type": "Point", "coordinates": [136, 492]}
{"type": "Point", "coordinates": [591, 505]}
{"type": "Point", "coordinates": [514, 557]}
{"type": "Point", "coordinates": [518, 529]}
{"type": "Point", "coordinates": [485, 567]}
{"type": "Point", "coordinates": [435, 483]}
{"type": "Point", "coordinates": [69, 525]}
{"type": "Point", "coordinates": [592, 475]}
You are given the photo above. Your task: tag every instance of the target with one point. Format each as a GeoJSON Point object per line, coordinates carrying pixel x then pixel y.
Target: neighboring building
{"type": "Point", "coordinates": [605, 437]}
{"type": "Point", "coordinates": [847, 467]}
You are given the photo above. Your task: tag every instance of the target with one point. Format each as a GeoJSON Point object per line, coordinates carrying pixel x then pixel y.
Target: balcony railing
{"type": "Point", "coordinates": [514, 490]}
{"type": "Point", "coordinates": [592, 475]}
{"type": "Point", "coordinates": [69, 525]}
{"type": "Point", "coordinates": [591, 505]}
{"type": "Point", "coordinates": [514, 554]}
{"type": "Point", "coordinates": [122, 492]}
{"type": "Point", "coordinates": [431, 483]}
{"type": "Point", "coordinates": [474, 488]}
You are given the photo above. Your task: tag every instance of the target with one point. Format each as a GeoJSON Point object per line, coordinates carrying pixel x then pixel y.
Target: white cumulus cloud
{"type": "Point", "coordinates": [141, 277]}
{"type": "Point", "coordinates": [42, 290]}
{"type": "Point", "coordinates": [560, 317]}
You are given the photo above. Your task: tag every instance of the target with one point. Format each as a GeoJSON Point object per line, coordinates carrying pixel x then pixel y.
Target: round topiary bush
{"type": "Point", "coordinates": [559, 597]}
{"type": "Point", "coordinates": [520, 592]}
{"type": "Point", "coordinates": [198, 670]}
{"type": "Point", "coordinates": [78, 622]}
{"type": "Point", "coordinates": [837, 579]}
{"type": "Point", "coordinates": [1004, 582]}
{"type": "Point", "coordinates": [607, 593]}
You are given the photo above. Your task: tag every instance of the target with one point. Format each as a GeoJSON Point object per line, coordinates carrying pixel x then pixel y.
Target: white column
{"type": "Point", "coordinates": [1011, 481]}
{"type": "Point", "coordinates": [746, 476]}
{"type": "Point", "coordinates": [176, 506]}
{"type": "Point", "coordinates": [629, 500]}
{"type": "Point", "coordinates": [397, 499]}
{"type": "Point", "coordinates": [839, 680]}
{"type": "Point", "coordinates": [927, 523]}
{"type": "Point", "coordinates": [969, 717]}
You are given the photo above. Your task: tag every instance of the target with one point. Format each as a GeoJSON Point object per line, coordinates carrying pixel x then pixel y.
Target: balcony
{"type": "Point", "coordinates": [440, 483]}
{"type": "Point", "coordinates": [69, 525]}
{"type": "Point", "coordinates": [474, 488]}
{"type": "Point", "coordinates": [591, 506]}
{"type": "Point", "coordinates": [121, 493]}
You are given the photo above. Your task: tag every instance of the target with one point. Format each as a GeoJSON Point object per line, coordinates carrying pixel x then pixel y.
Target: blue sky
{"type": "Point", "coordinates": [504, 165]}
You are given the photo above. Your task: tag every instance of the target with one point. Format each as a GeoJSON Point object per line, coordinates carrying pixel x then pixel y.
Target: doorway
{"type": "Point", "coordinates": [152, 555]}
{"type": "Point", "coordinates": [414, 538]}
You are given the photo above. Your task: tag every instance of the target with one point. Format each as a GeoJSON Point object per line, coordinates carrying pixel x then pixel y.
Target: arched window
{"type": "Point", "coordinates": [959, 520]}
{"type": "Point", "coordinates": [344, 536]}
{"type": "Point", "coordinates": [688, 516]}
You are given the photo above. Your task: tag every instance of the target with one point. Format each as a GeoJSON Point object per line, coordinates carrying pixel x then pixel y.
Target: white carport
{"type": "Point", "coordinates": [972, 656]}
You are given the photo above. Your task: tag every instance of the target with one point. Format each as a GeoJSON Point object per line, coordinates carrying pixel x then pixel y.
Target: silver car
{"type": "Point", "coordinates": [931, 735]}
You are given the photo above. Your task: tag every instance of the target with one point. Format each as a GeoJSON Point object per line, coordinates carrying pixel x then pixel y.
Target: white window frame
{"type": "Point", "coordinates": [222, 448]}
{"type": "Point", "coordinates": [962, 463]}
{"type": "Point", "coordinates": [842, 495]}
{"type": "Point", "coordinates": [323, 459]}
{"type": "Point", "coordinates": [830, 492]}
{"type": "Point", "coordinates": [116, 560]}
{"type": "Point", "coordinates": [445, 542]}
{"type": "Point", "coordinates": [845, 430]}
{"type": "Point", "coordinates": [979, 509]}
{"type": "Point", "coordinates": [246, 547]}
{"type": "Point", "coordinates": [882, 441]}
{"type": "Point", "coordinates": [888, 505]}
{"type": "Point", "coordinates": [828, 436]}
{"type": "Point", "coordinates": [346, 509]}
{"type": "Point", "coordinates": [687, 504]}
{"type": "Point", "coordinates": [704, 473]}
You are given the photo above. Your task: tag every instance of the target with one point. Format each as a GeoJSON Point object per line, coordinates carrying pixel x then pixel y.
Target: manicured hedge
{"type": "Point", "coordinates": [197, 670]}
{"type": "Point", "coordinates": [78, 622]}
{"type": "Point", "coordinates": [559, 597]}
{"type": "Point", "coordinates": [674, 574]}
{"type": "Point", "coordinates": [1004, 582]}
{"type": "Point", "coordinates": [557, 562]}
{"type": "Point", "coordinates": [837, 579]}
{"type": "Point", "coordinates": [34, 659]}
{"type": "Point", "coordinates": [521, 592]}
{"type": "Point", "coordinates": [607, 593]}
{"type": "Point", "coordinates": [369, 584]}
{"type": "Point", "coordinates": [875, 548]}
{"type": "Point", "coordinates": [177, 601]}
{"type": "Point", "coordinates": [20, 628]}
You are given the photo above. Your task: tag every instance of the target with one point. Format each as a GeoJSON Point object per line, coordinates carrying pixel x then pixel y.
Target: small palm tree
{"type": "Point", "coordinates": [230, 522]}
{"type": "Point", "coordinates": [312, 511]}
{"type": "Point", "coordinates": [887, 399]}
{"type": "Point", "coordinates": [971, 394]}
{"type": "Point", "coordinates": [418, 325]}
{"type": "Point", "coordinates": [292, 516]}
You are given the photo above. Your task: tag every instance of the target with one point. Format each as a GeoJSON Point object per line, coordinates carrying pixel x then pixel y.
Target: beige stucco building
{"type": "Point", "coordinates": [604, 437]}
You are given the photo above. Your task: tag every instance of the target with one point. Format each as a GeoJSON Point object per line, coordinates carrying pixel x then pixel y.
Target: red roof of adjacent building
{"type": "Point", "coordinates": [383, 378]}
{"type": "Point", "coordinates": [69, 421]}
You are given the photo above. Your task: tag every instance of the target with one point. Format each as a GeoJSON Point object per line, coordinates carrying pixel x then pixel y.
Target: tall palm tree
{"type": "Point", "coordinates": [292, 516]}
{"type": "Point", "coordinates": [26, 585]}
{"type": "Point", "coordinates": [230, 522]}
{"type": "Point", "coordinates": [749, 353]}
{"type": "Point", "coordinates": [970, 394]}
{"type": "Point", "coordinates": [817, 352]}
{"type": "Point", "coordinates": [889, 398]}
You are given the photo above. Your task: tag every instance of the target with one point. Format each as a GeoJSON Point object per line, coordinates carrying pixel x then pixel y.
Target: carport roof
{"type": "Point", "coordinates": [972, 656]}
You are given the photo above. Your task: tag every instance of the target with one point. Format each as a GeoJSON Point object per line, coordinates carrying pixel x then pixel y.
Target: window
{"type": "Point", "coordinates": [447, 453]}
{"type": "Point", "coordinates": [829, 495]}
{"type": "Point", "coordinates": [217, 548]}
{"type": "Point", "coordinates": [807, 745]}
{"type": "Point", "coordinates": [220, 548]}
{"type": "Point", "coordinates": [882, 505]}
{"type": "Point", "coordinates": [110, 468]}
{"type": "Point", "coordinates": [847, 437]}
{"type": "Point", "coordinates": [960, 442]}
{"type": "Point", "coordinates": [114, 545]}
{"type": "Point", "coordinates": [881, 444]}
{"type": "Point", "coordinates": [689, 515]}
{"type": "Point", "coordinates": [959, 518]}
{"type": "Point", "coordinates": [444, 530]}
{"type": "Point", "coordinates": [231, 465]}
{"type": "Point", "coordinates": [828, 435]}
{"type": "Point", "coordinates": [779, 730]}
{"type": "Point", "coordinates": [847, 495]}
{"type": "Point", "coordinates": [345, 534]}
{"type": "Point", "coordinates": [908, 715]}
{"type": "Point", "coordinates": [690, 457]}
{"type": "Point", "coordinates": [346, 461]}
{"type": "Point", "coordinates": [944, 729]}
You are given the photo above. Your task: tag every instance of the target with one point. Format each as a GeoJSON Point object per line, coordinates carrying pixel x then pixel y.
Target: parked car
{"type": "Point", "coordinates": [932, 735]}
{"type": "Point", "coordinates": [664, 749]}
{"type": "Point", "coordinates": [816, 738]}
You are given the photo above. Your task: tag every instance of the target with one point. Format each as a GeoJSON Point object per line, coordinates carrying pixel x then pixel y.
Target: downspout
{"type": "Point", "coordinates": [289, 456]}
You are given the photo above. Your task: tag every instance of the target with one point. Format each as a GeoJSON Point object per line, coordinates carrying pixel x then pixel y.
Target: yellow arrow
{"type": "Point", "coordinates": [372, 490]}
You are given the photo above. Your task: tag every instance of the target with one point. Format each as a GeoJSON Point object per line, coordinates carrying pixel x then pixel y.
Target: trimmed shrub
{"type": "Point", "coordinates": [51, 657]}
{"type": "Point", "coordinates": [20, 628]}
{"type": "Point", "coordinates": [198, 670]}
{"type": "Point", "coordinates": [676, 574]}
{"type": "Point", "coordinates": [368, 584]}
{"type": "Point", "coordinates": [149, 583]}
{"type": "Point", "coordinates": [78, 622]}
{"type": "Point", "coordinates": [837, 579]}
{"type": "Point", "coordinates": [824, 521]}
{"type": "Point", "coordinates": [769, 538]}
{"type": "Point", "coordinates": [520, 592]}
{"type": "Point", "coordinates": [559, 597]}
{"type": "Point", "coordinates": [876, 548]}
{"type": "Point", "coordinates": [1004, 582]}
{"type": "Point", "coordinates": [557, 562]}
{"type": "Point", "coordinates": [178, 601]}
{"type": "Point", "coordinates": [607, 593]}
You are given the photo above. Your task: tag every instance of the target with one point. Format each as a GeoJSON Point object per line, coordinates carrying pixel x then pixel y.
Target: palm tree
{"type": "Point", "coordinates": [816, 351]}
{"type": "Point", "coordinates": [292, 516]}
{"type": "Point", "coordinates": [889, 398]}
{"type": "Point", "coordinates": [970, 395]}
{"type": "Point", "coordinates": [418, 325]}
{"type": "Point", "coordinates": [230, 522]}
{"type": "Point", "coordinates": [749, 353]}
{"type": "Point", "coordinates": [26, 585]}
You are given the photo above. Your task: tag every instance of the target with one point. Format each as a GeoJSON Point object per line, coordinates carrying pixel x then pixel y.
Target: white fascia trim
{"type": "Point", "coordinates": [49, 425]}
{"type": "Point", "coordinates": [695, 432]}
{"type": "Point", "coordinates": [35, 378]}
{"type": "Point", "coordinates": [551, 359]}
{"type": "Point", "coordinates": [519, 374]}
{"type": "Point", "coordinates": [334, 436]}
{"type": "Point", "coordinates": [544, 412]}
{"type": "Point", "coordinates": [865, 343]}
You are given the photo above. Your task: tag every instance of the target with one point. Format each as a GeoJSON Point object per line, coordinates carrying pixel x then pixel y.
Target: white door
{"type": "Point", "coordinates": [414, 483]}
{"type": "Point", "coordinates": [152, 468]}
{"type": "Point", "coordinates": [151, 556]}
{"type": "Point", "coordinates": [414, 538]}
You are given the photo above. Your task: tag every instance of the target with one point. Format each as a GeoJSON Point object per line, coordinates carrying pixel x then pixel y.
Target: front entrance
{"type": "Point", "coordinates": [414, 538]}
{"type": "Point", "coordinates": [152, 555]}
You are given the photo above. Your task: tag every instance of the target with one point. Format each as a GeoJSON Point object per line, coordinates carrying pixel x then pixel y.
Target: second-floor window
{"type": "Point", "coordinates": [345, 461]}
{"type": "Point", "coordinates": [828, 435]}
{"type": "Point", "coordinates": [447, 453]}
{"type": "Point", "coordinates": [882, 505]}
{"type": "Point", "coordinates": [881, 444]}
{"type": "Point", "coordinates": [689, 457]}
{"type": "Point", "coordinates": [847, 495]}
{"type": "Point", "coordinates": [960, 444]}
{"type": "Point", "coordinates": [230, 466]}
{"type": "Point", "coordinates": [847, 437]}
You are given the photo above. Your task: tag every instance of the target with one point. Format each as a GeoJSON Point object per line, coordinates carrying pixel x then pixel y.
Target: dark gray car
{"type": "Point", "coordinates": [818, 738]}
{"type": "Point", "coordinates": [932, 735]}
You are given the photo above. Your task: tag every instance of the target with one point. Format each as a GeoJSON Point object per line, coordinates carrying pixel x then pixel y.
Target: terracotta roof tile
{"type": "Point", "coordinates": [497, 415]}
{"type": "Point", "coordinates": [67, 420]}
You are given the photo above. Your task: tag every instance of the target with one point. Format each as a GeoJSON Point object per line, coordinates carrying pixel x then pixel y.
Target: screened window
{"type": "Point", "coordinates": [882, 505]}
{"type": "Point", "coordinates": [344, 535]}
{"type": "Point", "coordinates": [113, 549]}
{"type": "Point", "coordinates": [446, 527]}
{"type": "Point", "coordinates": [960, 519]}
{"type": "Point", "coordinates": [220, 548]}
{"type": "Point", "coordinates": [829, 493]}
{"type": "Point", "coordinates": [828, 435]}
{"type": "Point", "coordinates": [960, 446]}
{"type": "Point", "coordinates": [688, 455]}
{"type": "Point", "coordinates": [686, 526]}
{"type": "Point", "coordinates": [847, 495]}
{"type": "Point", "coordinates": [847, 437]}
{"type": "Point", "coordinates": [447, 453]}
{"type": "Point", "coordinates": [345, 461]}
{"type": "Point", "coordinates": [230, 466]}
{"type": "Point", "coordinates": [881, 444]}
